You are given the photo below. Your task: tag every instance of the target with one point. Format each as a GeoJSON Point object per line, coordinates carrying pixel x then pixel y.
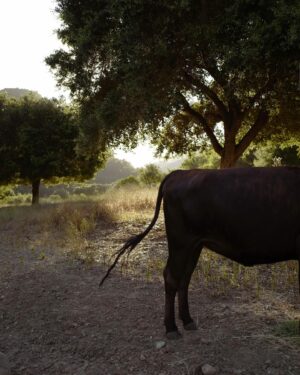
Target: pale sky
{"type": "Point", "coordinates": [27, 29]}
{"type": "Point", "coordinates": [27, 37]}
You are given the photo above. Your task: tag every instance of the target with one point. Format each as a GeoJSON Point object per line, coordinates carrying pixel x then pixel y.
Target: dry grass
{"type": "Point", "coordinates": [65, 226]}
{"type": "Point", "coordinates": [222, 274]}
{"type": "Point", "coordinates": [131, 204]}
{"type": "Point", "coordinates": [69, 226]}
{"type": "Point", "coordinates": [81, 215]}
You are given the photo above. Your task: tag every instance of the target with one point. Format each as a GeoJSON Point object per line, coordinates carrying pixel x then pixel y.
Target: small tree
{"type": "Point", "coordinates": [38, 141]}
{"type": "Point", "coordinates": [150, 175]}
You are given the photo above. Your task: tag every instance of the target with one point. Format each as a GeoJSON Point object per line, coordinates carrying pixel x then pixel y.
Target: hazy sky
{"type": "Point", "coordinates": [27, 29]}
{"type": "Point", "coordinates": [27, 37]}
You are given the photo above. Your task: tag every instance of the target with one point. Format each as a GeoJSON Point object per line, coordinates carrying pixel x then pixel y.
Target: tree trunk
{"type": "Point", "coordinates": [229, 155]}
{"type": "Point", "coordinates": [35, 191]}
{"type": "Point", "coordinates": [226, 163]}
{"type": "Point", "coordinates": [228, 160]}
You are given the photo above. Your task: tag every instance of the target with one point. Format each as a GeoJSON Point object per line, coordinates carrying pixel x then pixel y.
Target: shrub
{"type": "Point", "coordinates": [18, 199]}
{"type": "Point", "coordinates": [6, 191]}
{"type": "Point", "coordinates": [150, 175]}
{"type": "Point", "coordinates": [127, 182]}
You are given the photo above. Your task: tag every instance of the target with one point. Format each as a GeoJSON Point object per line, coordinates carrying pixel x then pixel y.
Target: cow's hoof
{"type": "Point", "coordinates": [190, 326]}
{"type": "Point", "coordinates": [173, 335]}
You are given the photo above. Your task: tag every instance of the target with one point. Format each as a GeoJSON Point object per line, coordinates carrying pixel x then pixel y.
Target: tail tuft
{"type": "Point", "coordinates": [127, 247]}
{"type": "Point", "coordinates": [134, 241]}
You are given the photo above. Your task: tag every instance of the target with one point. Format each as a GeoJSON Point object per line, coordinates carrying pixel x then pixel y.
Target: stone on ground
{"type": "Point", "coordinates": [209, 370]}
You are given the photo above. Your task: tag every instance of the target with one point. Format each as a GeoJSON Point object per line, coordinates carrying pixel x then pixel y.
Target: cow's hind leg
{"type": "Point", "coordinates": [177, 274]}
{"type": "Point", "coordinates": [171, 286]}
{"type": "Point", "coordinates": [183, 304]}
{"type": "Point", "coordinates": [298, 252]}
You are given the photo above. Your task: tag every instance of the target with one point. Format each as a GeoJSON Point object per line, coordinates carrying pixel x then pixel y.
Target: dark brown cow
{"type": "Point", "coordinates": [249, 215]}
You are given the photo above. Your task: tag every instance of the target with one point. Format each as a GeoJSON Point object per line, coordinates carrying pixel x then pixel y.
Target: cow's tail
{"type": "Point", "coordinates": [135, 240]}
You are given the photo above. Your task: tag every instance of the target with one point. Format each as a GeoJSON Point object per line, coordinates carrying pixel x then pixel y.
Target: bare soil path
{"type": "Point", "coordinates": [55, 320]}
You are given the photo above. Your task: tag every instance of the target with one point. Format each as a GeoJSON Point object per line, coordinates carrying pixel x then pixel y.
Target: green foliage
{"type": "Point", "coordinates": [150, 175]}
{"type": "Point", "coordinates": [19, 93]}
{"type": "Point", "coordinates": [274, 155]}
{"type": "Point", "coordinates": [127, 182]}
{"type": "Point", "coordinates": [289, 156]}
{"type": "Point", "coordinates": [16, 199]}
{"type": "Point", "coordinates": [6, 191]}
{"type": "Point", "coordinates": [40, 140]}
{"type": "Point", "coordinates": [186, 73]}
{"type": "Point", "coordinates": [207, 159]}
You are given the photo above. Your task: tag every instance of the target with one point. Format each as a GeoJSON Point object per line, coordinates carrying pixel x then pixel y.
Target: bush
{"type": "Point", "coordinates": [18, 199]}
{"type": "Point", "coordinates": [6, 191]}
{"type": "Point", "coordinates": [127, 182]}
{"type": "Point", "coordinates": [150, 175]}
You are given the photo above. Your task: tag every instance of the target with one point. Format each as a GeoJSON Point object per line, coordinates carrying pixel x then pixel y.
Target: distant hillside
{"type": "Point", "coordinates": [18, 93]}
{"type": "Point", "coordinates": [169, 165]}
{"type": "Point", "coordinates": [114, 170]}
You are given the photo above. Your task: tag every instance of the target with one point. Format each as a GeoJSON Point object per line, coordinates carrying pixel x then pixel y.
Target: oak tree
{"type": "Point", "coordinates": [184, 72]}
{"type": "Point", "coordinates": [39, 140]}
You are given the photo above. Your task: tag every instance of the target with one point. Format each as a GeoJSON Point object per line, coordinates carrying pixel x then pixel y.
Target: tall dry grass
{"type": "Point", "coordinates": [130, 203]}
{"type": "Point", "coordinates": [68, 225]}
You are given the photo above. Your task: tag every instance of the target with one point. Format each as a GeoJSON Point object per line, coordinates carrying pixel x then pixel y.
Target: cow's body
{"type": "Point", "coordinates": [251, 216]}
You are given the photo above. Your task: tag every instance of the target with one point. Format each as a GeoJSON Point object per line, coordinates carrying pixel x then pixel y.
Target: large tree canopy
{"type": "Point", "coordinates": [185, 72]}
{"type": "Point", "coordinates": [39, 140]}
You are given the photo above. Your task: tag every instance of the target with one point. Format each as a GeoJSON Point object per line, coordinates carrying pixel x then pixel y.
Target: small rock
{"type": "Point", "coordinates": [4, 365]}
{"type": "Point", "coordinates": [237, 372]}
{"type": "Point", "coordinates": [160, 344]}
{"type": "Point", "coordinates": [209, 370]}
{"type": "Point", "coordinates": [205, 341]}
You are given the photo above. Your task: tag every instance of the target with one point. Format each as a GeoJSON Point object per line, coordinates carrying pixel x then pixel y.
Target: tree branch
{"type": "Point", "coordinates": [199, 119]}
{"type": "Point", "coordinates": [234, 106]}
{"type": "Point", "coordinates": [214, 72]}
{"type": "Point", "coordinates": [261, 121]}
{"type": "Point", "coordinates": [257, 96]}
{"type": "Point", "coordinates": [210, 94]}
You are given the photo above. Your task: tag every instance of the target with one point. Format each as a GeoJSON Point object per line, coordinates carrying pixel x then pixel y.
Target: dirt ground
{"type": "Point", "coordinates": [55, 320]}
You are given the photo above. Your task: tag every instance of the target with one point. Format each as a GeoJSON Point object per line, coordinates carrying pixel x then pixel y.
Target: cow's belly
{"type": "Point", "coordinates": [249, 254]}
{"type": "Point", "coordinates": [249, 232]}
